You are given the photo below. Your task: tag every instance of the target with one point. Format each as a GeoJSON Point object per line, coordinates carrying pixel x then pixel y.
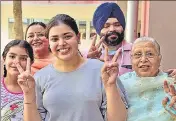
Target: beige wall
{"type": "Point", "coordinates": [46, 10]}
{"type": "Point", "coordinates": [162, 26]}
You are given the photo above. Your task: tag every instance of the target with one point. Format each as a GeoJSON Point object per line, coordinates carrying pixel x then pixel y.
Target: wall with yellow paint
{"type": "Point", "coordinates": [47, 10]}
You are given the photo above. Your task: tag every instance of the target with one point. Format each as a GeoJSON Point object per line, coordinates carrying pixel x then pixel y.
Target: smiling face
{"type": "Point", "coordinates": [15, 54]}
{"type": "Point", "coordinates": [63, 42]}
{"type": "Point", "coordinates": [113, 32]}
{"type": "Point", "coordinates": [145, 59]}
{"type": "Point", "coordinates": [36, 38]}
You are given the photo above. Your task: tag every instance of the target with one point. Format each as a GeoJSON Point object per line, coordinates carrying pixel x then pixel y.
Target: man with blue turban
{"type": "Point", "coordinates": [109, 23]}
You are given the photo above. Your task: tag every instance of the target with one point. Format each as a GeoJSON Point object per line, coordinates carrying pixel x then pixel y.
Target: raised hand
{"type": "Point", "coordinates": [110, 70]}
{"type": "Point", "coordinates": [172, 73]}
{"type": "Point", "coordinates": [25, 79]}
{"type": "Point", "coordinates": [95, 50]}
{"type": "Point", "coordinates": [171, 92]}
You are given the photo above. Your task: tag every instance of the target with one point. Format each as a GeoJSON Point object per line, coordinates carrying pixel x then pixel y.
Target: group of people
{"type": "Point", "coordinates": [47, 78]}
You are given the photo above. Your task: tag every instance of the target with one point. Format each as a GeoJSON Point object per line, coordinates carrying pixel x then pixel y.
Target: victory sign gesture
{"type": "Point", "coordinates": [110, 69]}
{"type": "Point", "coordinates": [95, 50]}
{"type": "Point", "coordinates": [25, 79]}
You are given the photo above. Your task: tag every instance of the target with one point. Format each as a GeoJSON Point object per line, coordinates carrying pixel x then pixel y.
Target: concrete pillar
{"type": "Point", "coordinates": [132, 20]}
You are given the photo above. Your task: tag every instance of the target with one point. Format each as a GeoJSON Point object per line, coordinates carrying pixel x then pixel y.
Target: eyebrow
{"type": "Point", "coordinates": [36, 32]}
{"type": "Point", "coordinates": [16, 54]}
{"type": "Point", "coordinates": [67, 33]}
{"type": "Point", "coordinates": [63, 34]}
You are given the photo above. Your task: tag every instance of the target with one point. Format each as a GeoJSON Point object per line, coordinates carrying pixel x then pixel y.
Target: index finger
{"type": "Point", "coordinates": [20, 69]}
{"type": "Point", "coordinates": [28, 66]}
{"type": "Point", "coordinates": [172, 90]}
{"type": "Point", "coordinates": [169, 71]}
{"type": "Point", "coordinates": [106, 54]}
{"type": "Point", "coordinates": [100, 41]}
{"type": "Point", "coordinates": [166, 87]}
{"type": "Point", "coordinates": [114, 59]}
{"type": "Point", "coordinates": [93, 41]}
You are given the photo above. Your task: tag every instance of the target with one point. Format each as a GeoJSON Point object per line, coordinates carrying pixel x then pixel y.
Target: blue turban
{"type": "Point", "coordinates": [105, 11]}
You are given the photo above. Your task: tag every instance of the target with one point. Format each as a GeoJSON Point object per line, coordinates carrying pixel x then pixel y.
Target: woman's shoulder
{"type": "Point", "coordinates": [44, 71]}
{"type": "Point", "coordinates": [94, 63]}
{"type": "Point", "coordinates": [128, 75]}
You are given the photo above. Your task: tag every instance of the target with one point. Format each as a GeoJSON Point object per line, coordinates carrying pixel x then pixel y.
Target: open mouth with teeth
{"type": "Point", "coordinates": [63, 50]}
{"type": "Point", "coordinates": [37, 44]}
{"type": "Point", "coordinates": [113, 37]}
{"type": "Point", "coordinates": [144, 67]}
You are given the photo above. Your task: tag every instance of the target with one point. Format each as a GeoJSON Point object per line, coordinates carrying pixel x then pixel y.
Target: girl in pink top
{"type": "Point", "coordinates": [16, 51]}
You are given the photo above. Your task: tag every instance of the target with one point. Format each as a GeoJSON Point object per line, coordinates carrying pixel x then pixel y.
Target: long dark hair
{"type": "Point", "coordinates": [20, 43]}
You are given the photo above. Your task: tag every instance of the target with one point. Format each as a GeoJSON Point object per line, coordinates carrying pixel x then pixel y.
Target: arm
{"type": "Point", "coordinates": [116, 110]}
{"type": "Point", "coordinates": [30, 108]}
{"type": "Point", "coordinates": [27, 84]}
{"type": "Point", "coordinates": [33, 103]}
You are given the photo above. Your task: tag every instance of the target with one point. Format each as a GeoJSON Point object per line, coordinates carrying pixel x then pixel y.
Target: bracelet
{"type": "Point", "coordinates": [30, 102]}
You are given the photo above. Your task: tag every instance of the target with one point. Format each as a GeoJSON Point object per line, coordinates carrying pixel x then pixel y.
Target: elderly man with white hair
{"type": "Point", "coordinates": [144, 86]}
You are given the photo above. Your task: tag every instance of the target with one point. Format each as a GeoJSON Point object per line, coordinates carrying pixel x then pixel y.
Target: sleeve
{"type": "Point", "coordinates": [103, 107]}
{"type": "Point", "coordinates": [123, 92]}
{"type": "Point", "coordinates": [39, 98]}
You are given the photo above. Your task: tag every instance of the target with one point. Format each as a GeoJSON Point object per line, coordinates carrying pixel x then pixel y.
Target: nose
{"type": "Point", "coordinates": [61, 42]}
{"type": "Point", "coordinates": [111, 28]}
{"type": "Point", "coordinates": [35, 37]}
{"type": "Point", "coordinates": [17, 60]}
{"type": "Point", "coordinates": [143, 58]}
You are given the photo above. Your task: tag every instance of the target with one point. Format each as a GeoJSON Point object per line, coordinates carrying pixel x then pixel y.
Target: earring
{"type": "Point", "coordinates": [5, 71]}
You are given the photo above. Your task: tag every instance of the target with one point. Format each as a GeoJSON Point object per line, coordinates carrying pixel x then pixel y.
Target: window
{"type": "Point", "coordinates": [82, 29]}
{"type": "Point", "coordinates": [26, 22]}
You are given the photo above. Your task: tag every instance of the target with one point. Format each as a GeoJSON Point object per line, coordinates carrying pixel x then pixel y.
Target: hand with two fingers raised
{"type": "Point", "coordinates": [95, 50]}
{"type": "Point", "coordinates": [110, 69]}
{"type": "Point", "coordinates": [25, 79]}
